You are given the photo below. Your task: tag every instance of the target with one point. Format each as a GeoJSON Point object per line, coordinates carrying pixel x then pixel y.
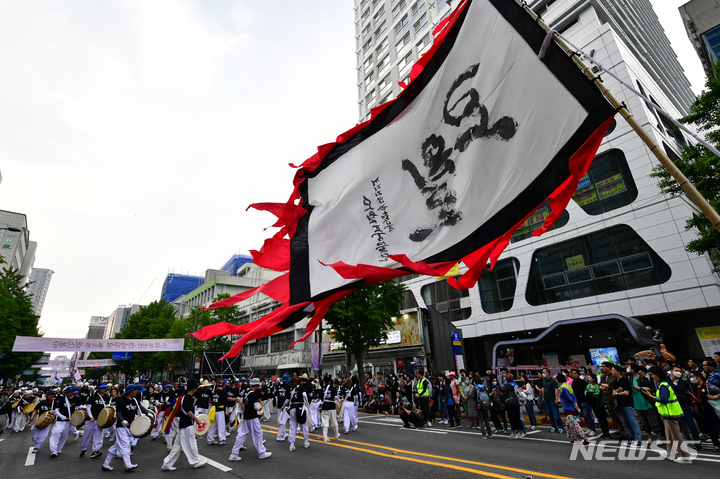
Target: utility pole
{"type": "Point", "coordinates": [192, 362]}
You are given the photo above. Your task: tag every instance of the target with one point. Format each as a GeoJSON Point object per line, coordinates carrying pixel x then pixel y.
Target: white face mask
{"type": "Point", "coordinates": [693, 380]}
{"type": "Point", "coordinates": [629, 370]}
{"type": "Point", "coordinates": [545, 375]}
{"type": "Point", "coordinates": [648, 367]}
{"type": "Point", "coordinates": [677, 374]}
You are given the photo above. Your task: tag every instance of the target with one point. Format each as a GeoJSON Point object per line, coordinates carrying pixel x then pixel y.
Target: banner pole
{"type": "Point", "coordinates": [666, 162]}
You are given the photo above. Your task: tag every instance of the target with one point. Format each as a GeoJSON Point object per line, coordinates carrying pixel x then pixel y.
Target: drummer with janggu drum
{"type": "Point", "coordinates": [127, 411]}
{"type": "Point", "coordinates": [94, 406]}
{"type": "Point", "coordinates": [46, 416]}
{"type": "Point", "coordinates": [64, 408]}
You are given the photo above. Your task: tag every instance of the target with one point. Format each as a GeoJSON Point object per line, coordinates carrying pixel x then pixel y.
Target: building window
{"type": "Point", "coordinates": [368, 65]}
{"type": "Point", "coordinates": [369, 79]}
{"type": "Point", "coordinates": [401, 25]}
{"type": "Point", "coordinates": [608, 184]}
{"type": "Point", "coordinates": [382, 47]}
{"type": "Point", "coordinates": [381, 29]}
{"type": "Point", "coordinates": [365, 15]}
{"type": "Point", "coordinates": [281, 342]}
{"type": "Point", "coordinates": [399, 8]}
{"type": "Point", "coordinates": [417, 8]}
{"type": "Point", "coordinates": [497, 286]}
{"type": "Point", "coordinates": [367, 45]}
{"type": "Point", "coordinates": [407, 60]}
{"type": "Point", "coordinates": [262, 346]}
{"type": "Point", "coordinates": [386, 98]}
{"type": "Point", "coordinates": [366, 30]}
{"type": "Point", "coordinates": [536, 220]}
{"type": "Point", "coordinates": [370, 97]}
{"type": "Point", "coordinates": [423, 44]}
{"type": "Point", "coordinates": [409, 301]}
{"type": "Point", "coordinates": [403, 41]}
{"type": "Point", "coordinates": [383, 63]}
{"type": "Point", "coordinates": [420, 24]}
{"type": "Point", "coordinates": [379, 14]}
{"type": "Point", "coordinates": [6, 246]}
{"type": "Point", "coordinates": [384, 83]}
{"type": "Point", "coordinates": [452, 303]}
{"type": "Point", "coordinates": [615, 259]}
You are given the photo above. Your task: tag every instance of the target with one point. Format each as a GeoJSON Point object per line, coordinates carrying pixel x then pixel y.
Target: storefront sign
{"type": "Point", "coordinates": [33, 344]}
{"type": "Point", "coordinates": [406, 332]}
{"type": "Point", "coordinates": [709, 339]}
{"type": "Point", "coordinates": [575, 262]}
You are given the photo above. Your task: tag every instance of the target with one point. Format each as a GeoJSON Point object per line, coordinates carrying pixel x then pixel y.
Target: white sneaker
{"type": "Point", "coordinates": [683, 460]}
{"type": "Point", "coordinates": [210, 443]}
{"type": "Point", "coordinates": [265, 455]}
{"type": "Point", "coordinates": [168, 468]}
{"type": "Point", "coordinates": [200, 464]}
{"type": "Point", "coordinates": [292, 447]}
{"type": "Point", "coordinates": [591, 433]}
{"type": "Point", "coordinates": [533, 428]}
{"type": "Point", "coordinates": [307, 444]}
{"type": "Point", "coordinates": [234, 458]}
{"type": "Point", "coordinates": [280, 439]}
{"type": "Point", "coordinates": [512, 435]}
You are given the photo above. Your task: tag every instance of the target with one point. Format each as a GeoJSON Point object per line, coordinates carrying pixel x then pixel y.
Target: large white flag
{"type": "Point", "coordinates": [484, 133]}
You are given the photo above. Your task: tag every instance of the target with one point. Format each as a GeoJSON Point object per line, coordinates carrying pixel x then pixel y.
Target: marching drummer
{"type": "Point", "coordinates": [218, 425]}
{"type": "Point", "coordinates": [283, 403]}
{"type": "Point", "coordinates": [95, 403]}
{"type": "Point", "coordinates": [186, 440]}
{"type": "Point", "coordinates": [163, 400]}
{"type": "Point", "coordinates": [39, 435]}
{"type": "Point", "coordinates": [251, 423]}
{"type": "Point", "coordinates": [127, 411]}
{"type": "Point", "coordinates": [64, 408]}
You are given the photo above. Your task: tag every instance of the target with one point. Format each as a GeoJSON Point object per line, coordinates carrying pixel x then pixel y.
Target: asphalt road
{"type": "Point", "coordinates": [379, 448]}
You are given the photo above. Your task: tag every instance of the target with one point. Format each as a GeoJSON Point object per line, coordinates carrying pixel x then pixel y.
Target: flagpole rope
{"type": "Point", "coordinates": [662, 157]}
{"type": "Point", "coordinates": [647, 100]}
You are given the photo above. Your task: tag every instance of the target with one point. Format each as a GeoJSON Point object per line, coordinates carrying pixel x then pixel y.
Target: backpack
{"type": "Point", "coordinates": [520, 397]}
{"type": "Point", "coordinates": [483, 399]}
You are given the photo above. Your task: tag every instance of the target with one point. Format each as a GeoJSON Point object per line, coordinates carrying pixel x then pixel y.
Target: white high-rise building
{"type": "Point", "coordinates": [615, 262]}
{"type": "Point", "coordinates": [38, 287]}
{"type": "Point", "coordinates": [14, 240]}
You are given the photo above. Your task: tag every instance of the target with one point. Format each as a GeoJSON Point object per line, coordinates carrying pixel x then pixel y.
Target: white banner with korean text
{"type": "Point", "coordinates": [32, 344]}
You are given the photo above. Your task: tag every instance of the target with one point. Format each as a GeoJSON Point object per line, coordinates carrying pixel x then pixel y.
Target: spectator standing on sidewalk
{"type": "Point", "coordinates": [667, 404]}
{"type": "Point", "coordinates": [595, 398]}
{"type": "Point", "coordinates": [483, 410]}
{"type": "Point", "coordinates": [551, 397]}
{"type": "Point", "coordinates": [607, 385]}
{"type": "Point", "coordinates": [498, 407]}
{"type": "Point", "coordinates": [440, 398]}
{"type": "Point", "coordinates": [470, 399]}
{"type": "Point", "coordinates": [622, 391]}
{"type": "Point", "coordinates": [579, 385]}
{"type": "Point", "coordinates": [527, 391]}
{"type": "Point", "coordinates": [682, 391]}
{"type": "Point", "coordinates": [645, 411]}
{"type": "Point", "coordinates": [512, 406]}
{"type": "Point", "coordinates": [708, 416]}
{"type": "Point", "coordinates": [455, 390]}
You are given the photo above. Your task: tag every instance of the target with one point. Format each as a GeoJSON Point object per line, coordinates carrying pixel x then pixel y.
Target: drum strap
{"type": "Point", "coordinates": [67, 404]}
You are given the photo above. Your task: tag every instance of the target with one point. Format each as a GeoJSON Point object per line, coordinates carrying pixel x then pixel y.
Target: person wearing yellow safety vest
{"type": "Point", "coordinates": [422, 392]}
{"type": "Point", "coordinates": [669, 408]}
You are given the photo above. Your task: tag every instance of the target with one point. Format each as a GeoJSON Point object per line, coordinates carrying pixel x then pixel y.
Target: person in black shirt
{"type": "Point", "coordinates": [265, 400]}
{"type": "Point", "coordinates": [231, 405]}
{"type": "Point", "coordinates": [93, 406]}
{"type": "Point", "coordinates": [329, 412]}
{"type": "Point", "coordinates": [300, 411]}
{"type": "Point", "coordinates": [283, 403]}
{"type": "Point", "coordinates": [347, 395]}
{"type": "Point", "coordinates": [64, 407]}
{"type": "Point", "coordinates": [251, 404]}
{"type": "Point", "coordinates": [39, 435]}
{"type": "Point", "coordinates": [622, 391]}
{"type": "Point", "coordinates": [218, 425]}
{"type": "Point", "coordinates": [186, 440]}
{"type": "Point", "coordinates": [126, 410]}
{"type": "Point", "coordinates": [579, 385]}
{"type": "Point", "coordinates": [203, 395]}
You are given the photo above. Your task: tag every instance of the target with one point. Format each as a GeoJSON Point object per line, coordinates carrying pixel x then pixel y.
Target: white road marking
{"type": "Point", "coordinates": [30, 461]}
{"type": "Point", "coordinates": [222, 467]}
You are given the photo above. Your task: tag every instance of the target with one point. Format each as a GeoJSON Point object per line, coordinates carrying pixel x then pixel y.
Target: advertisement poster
{"type": "Point", "coordinates": [709, 339]}
{"type": "Point", "coordinates": [406, 332]}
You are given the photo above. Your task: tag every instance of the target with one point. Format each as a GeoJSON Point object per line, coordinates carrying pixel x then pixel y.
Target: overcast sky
{"type": "Point", "coordinates": [134, 134]}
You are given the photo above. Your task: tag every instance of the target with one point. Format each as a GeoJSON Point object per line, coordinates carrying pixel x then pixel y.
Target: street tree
{"type": "Point", "coordinates": [702, 168]}
{"type": "Point", "coordinates": [361, 319]}
{"type": "Point", "coordinates": [16, 319]}
{"type": "Point", "coordinates": [153, 321]}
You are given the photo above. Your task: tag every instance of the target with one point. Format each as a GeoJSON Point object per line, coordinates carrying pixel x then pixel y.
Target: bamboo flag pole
{"type": "Point", "coordinates": [667, 163]}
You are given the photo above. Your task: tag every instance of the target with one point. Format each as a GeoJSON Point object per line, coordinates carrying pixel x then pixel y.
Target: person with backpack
{"type": "Point", "coordinates": [571, 409]}
{"type": "Point", "coordinates": [512, 406]}
{"type": "Point", "coordinates": [483, 410]}
{"type": "Point", "coordinates": [497, 402]}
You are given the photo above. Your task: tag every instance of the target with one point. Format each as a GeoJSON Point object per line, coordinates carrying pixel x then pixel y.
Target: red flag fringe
{"type": "Point", "coordinates": [275, 252]}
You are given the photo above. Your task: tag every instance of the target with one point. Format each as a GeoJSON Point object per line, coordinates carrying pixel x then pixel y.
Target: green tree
{"type": "Point", "coordinates": [201, 318]}
{"type": "Point", "coordinates": [153, 321]}
{"type": "Point", "coordinates": [362, 319]}
{"type": "Point", "coordinates": [16, 319]}
{"type": "Point", "coordinates": [702, 168]}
